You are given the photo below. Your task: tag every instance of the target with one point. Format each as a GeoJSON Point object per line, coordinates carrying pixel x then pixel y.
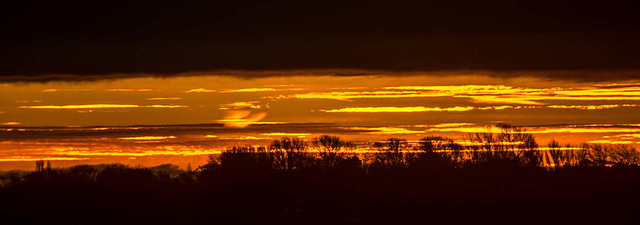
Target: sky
{"type": "Point", "coordinates": [147, 83]}
{"type": "Point", "coordinates": [181, 120]}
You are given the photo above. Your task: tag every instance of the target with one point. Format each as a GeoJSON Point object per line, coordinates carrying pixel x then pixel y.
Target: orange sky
{"type": "Point", "coordinates": [181, 120]}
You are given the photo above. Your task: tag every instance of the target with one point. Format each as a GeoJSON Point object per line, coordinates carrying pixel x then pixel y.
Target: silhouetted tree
{"type": "Point", "coordinates": [582, 157]}
{"type": "Point", "coordinates": [39, 165]}
{"type": "Point", "coordinates": [556, 154]}
{"type": "Point", "coordinates": [328, 143]}
{"type": "Point", "coordinates": [528, 148]}
{"type": "Point", "coordinates": [511, 146]}
{"type": "Point", "coordinates": [606, 155]}
{"type": "Point", "coordinates": [246, 184]}
{"type": "Point", "coordinates": [291, 153]}
{"type": "Point", "coordinates": [482, 145]}
{"type": "Point", "coordinates": [432, 144]}
{"type": "Point", "coordinates": [597, 155]}
{"type": "Point", "coordinates": [12, 177]}
{"type": "Point", "coordinates": [246, 158]}
{"type": "Point", "coordinates": [83, 173]}
{"type": "Point", "coordinates": [625, 155]}
{"type": "Point", "coordinates": [331, 149]}
{"type": "Point", "coordinates": [435, 153]}
{"type": "Point", "coordinates": [391, 152]}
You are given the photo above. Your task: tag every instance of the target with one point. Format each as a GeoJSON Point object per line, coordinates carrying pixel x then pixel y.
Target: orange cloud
{"type": "Point", "coordinates": [627, 136]}
{"type": "Point", "coordinates": [496, 107]}
{"type": "Point", "coordinates": [399, 109]}
{"type": "Point", "coordinates": [200, 90]}
{"type": "Point", "coordinates": [522, 100]}
{"type": "Point", "coordinates": [591, 107]}
{"type": "Point", "coordinates": [148, 138]}
{"type": "Point", "coordinates": [129, 90]}
{"type": "Point", "coordinates": [241, 118]}
{"type": "Point", "coordinates": [348, 95]}
{"type": "Point", "coordinates": [99, 106]}
{"type": "Point", "coordinates": [453, 124]}
{"type": "Point", "coordinates": [165, 106]}
{"type": "Point", "coordinates": [30, 159]}
{"type": "Point", "coordinates": [58, 90]}
{"type": "Point", "coordinates": [241, 105]}
{"type": "Point", "coordinates": [162, 99]}
{"type": "Point", "coordinates": [386, 130]}
{"type": "Point", "coordinates": [238, 138]}
{"type": "Point", "coordinates": [487, 93]}
{"type": "Point", "coordinates": [259, 90]}
{"type": "Point", "coordinates": [287, 134]}
{"type": "Point", "coordinates": [248, 90]}
{"type": "Point", "coordinates": [610, 142]}
{"type": "Point", "coordinates": [540, 130]}
{"type": "Point", "coordinates": [90, 106]}
{"type": "Point", "coordinates": [583, 107]}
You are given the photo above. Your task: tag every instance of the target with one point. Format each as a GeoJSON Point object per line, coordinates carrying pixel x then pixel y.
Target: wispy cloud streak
{"type": "Point", "coordinates": [490, 94]}
{"type": "Point", "coordinates": [399, 109]}
{"type": "Point", "coordinates": [100, 106]}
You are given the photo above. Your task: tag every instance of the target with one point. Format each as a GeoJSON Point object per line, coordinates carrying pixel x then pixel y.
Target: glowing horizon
{"type": "Point", "coordinates": [181, 120]}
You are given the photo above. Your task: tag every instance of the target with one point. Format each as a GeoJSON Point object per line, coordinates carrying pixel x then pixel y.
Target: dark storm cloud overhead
{"type": "Point", "coordinates": [89, 40]}
{"type": "Point", "coordinates": [573, 75]}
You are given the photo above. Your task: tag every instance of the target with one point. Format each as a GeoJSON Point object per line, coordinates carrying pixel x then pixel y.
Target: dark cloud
{"type": "Point", "coordinates": [187, 130]}
{"type": "Point", "coordinates": [194, 134]}
{"type": "Point", "coordinates": [49, 40]}
{"type": "Point", "coordinates": [574, 75]}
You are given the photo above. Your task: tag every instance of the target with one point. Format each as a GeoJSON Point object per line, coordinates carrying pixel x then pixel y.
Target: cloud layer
{"type": "Point", "coordinates": [555, 39]}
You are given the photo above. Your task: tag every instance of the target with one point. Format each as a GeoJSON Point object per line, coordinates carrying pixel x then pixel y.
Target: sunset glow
{"type": "Point", "coordinates": [319, 112]}
{"type": "Point", "coordinates": [192, 117]}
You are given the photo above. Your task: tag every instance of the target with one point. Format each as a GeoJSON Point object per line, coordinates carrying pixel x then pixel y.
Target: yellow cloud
{"type": "Point", "coordinates": [30, 159]}
{"type": "Point", "coordinates": [58, 90]}
{"type": "Point", "coordinates": [241, 138]}
{"type": "Point", "coordinates": [286, 134]}
{"type": "Point", "coordinates": [610, 142]}
{"type": "Point", "coordinates": [248, 90]}
{"type": "Point", "coordinates": [241, 118]}
{"type": "Point", "coordinates": [628, 136]}
{"type": "Point", "coordinates": [161, 99]}
{"type": "Point", "coordinates": [129, 90]}
{"type": "Point", "coordinates": [386, 130]}
{"type": "Point", "coordinates": [99, 106]}
{"type": "Point", "coordinates": [453, 124]}
{"type": "Point", "coordinates": [522, 100]}
{"type": "Point", "coordinates": [241, 105]}
{"type": "Point", "coordinates": [495, 107]}
{"type": "Point", "coordinates": [583, 107]}
{"type": "Point", "coordinates": [166, 106]}
{"type": "Point", "coordinates": [148, 138]}
{"type": "Point", "coordinates": [90, 106]}
{"type": "Point", "coordinates": [347, 95]}
{"type": "Point", "coordinates": [542, 130]}
{"type": "Point", "coordinates": [259, 90]}
{"type": "Point", "coordinates": [486, 93]}
{"type": "Point", "coordinates": [399, 109]}
{"type": "Point", "coordinates": [200, 90]}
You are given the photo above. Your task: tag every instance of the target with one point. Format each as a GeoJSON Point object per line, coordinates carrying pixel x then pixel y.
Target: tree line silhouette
{"type": "Point", "coordinates": [498, 178]}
